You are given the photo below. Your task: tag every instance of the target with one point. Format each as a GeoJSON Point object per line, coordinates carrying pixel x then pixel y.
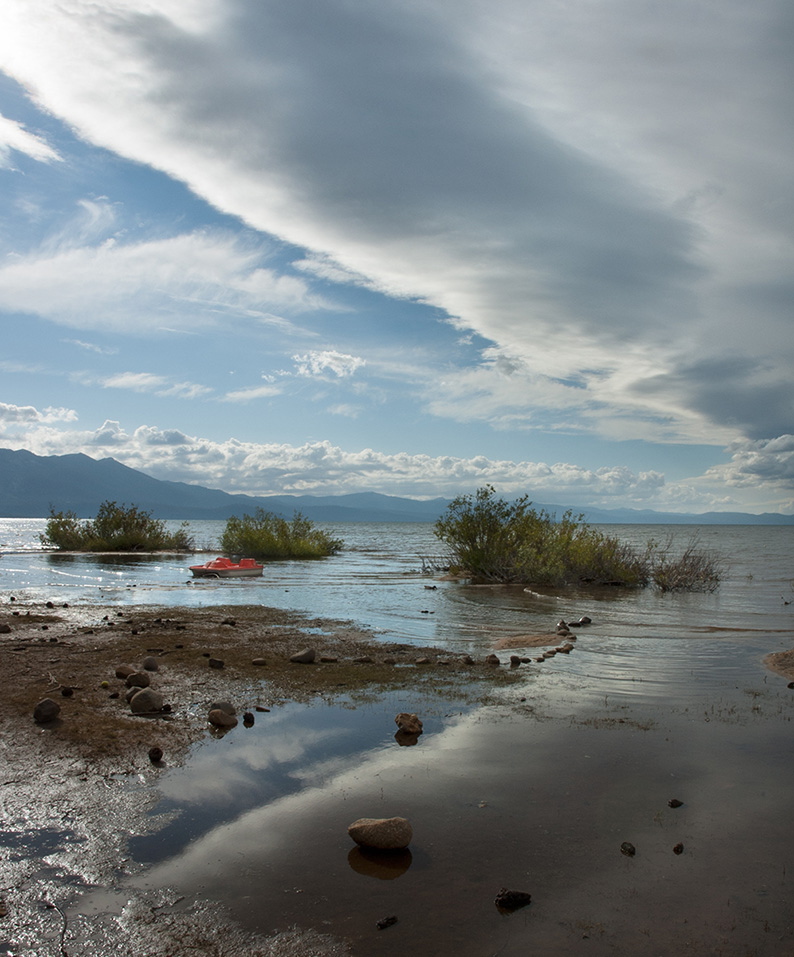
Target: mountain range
{"type": "Point", "coordinates": [31, 485]}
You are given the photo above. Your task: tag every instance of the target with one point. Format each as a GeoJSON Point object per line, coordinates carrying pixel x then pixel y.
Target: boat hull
{"type": "Point", "coordinates": [224, 568]}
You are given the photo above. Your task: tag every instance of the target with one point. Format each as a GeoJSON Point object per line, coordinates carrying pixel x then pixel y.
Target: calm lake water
{"type": "Point", "coordinates": [665, 696]}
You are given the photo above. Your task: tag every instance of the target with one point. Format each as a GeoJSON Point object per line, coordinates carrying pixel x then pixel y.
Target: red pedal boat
{"type": "Point", "coordinates": [225, 568]}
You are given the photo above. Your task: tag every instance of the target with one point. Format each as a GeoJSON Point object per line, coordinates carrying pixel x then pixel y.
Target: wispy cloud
{"type": "Point", "coordinates": [319, 363]}
{"type": "Point", "coordinates": [15, 138]}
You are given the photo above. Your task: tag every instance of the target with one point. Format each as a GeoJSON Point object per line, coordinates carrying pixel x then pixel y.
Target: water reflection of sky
{"type": "Point", "coordinates": [536, 798]}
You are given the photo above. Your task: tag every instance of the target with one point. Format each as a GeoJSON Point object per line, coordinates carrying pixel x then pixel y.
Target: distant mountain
{"type": "Point", "coordinates": [32, 484]}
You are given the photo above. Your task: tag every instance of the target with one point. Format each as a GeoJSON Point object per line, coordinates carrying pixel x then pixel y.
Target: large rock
{"type": "Point", "coordinates": [46, 710]}
{"type": "Point", "coordinates": [384, 834]}
{"type": "Point", "coordinates": [220, 719]}
{"type": "Point", "coordinates": [408, 723]}
{"type": "Point", "coordinates": [305, 657]}
{"type": "Point", "coordinates": [140, 679]}
{"type": "Point", "coordinates": [146, 701]}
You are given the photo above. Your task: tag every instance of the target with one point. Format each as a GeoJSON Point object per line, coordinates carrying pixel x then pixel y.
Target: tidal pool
{"type": "Point", "coordinates": [535, 795]}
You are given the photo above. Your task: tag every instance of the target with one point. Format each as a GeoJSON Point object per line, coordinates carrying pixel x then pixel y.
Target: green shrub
{"type": "Point", "coordinates": [116, 528]}
{"type": "Point", "coordinates": [510, 542]}
{"type": "Point", "coordinates": [264, 535]}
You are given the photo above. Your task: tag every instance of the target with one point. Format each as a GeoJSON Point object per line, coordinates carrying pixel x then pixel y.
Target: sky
{"type": "Point", "coordinates": [329, 246]}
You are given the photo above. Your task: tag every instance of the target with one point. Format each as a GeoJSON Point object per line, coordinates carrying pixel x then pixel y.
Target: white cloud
{"type": "Point", "coordinates": [15, 138]}
{"type": "Point", "coordinates": [194, 280]}
{"type": "Point", "coordinates": [252, 393]}
{"type": "Point", "coordinates": [329, 360]}
{"type": "Point", "coordinates": [13, 415]}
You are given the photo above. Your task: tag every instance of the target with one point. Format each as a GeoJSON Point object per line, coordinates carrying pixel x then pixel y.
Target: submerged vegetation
{"type": "Point", "coordinates": [265, 535]}
{"type": "Point", "coordinates": [116, 528]}
{"type": "Point", "coordinates": [493, 540]}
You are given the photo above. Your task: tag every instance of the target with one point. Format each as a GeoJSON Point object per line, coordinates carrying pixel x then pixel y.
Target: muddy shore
{"type": "Point", "coordinates": [69, 785]}
{"type": "Point", "coordinates": [73, 790]}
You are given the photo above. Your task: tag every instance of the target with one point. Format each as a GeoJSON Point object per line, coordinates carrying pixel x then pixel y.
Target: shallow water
{"type": "Point", "coordinates": [664, 696]}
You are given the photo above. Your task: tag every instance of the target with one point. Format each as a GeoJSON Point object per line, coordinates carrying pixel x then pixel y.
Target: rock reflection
{"type": "Point", "coordinates": [405, 739]}
{"type": "Point", "coordinates": [384, 865]}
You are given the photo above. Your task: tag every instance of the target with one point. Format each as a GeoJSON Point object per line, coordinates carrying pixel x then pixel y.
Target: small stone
{"type": "Point", "coordinates": [146, 701]}
{"type": "Point", "coordinates": [424, 661]}
{"type": "Point", "coordinates": [408, 723]}
{"type": "Point", "coordinates": [138, 680]}
{"type": "Point", "coordinates": [226, 706]}
{"type": "Point", "coordinates": [5, 628]}
{"type": "Point", "coordinates": [384, 834]}
{"type": "Point", "coordinates": [515, 661]}
{"type": "Point", "coordinates": [124, 671]}
{"type": "Point", "coordinates": [67, 692]}
{"type": "Point", "coordinates": [259, 662]}
{"type": "Point", "coordinates": [248, 719]}
{"type": "Point", "coordinates": [512, 900]}
{"type": "Point", "coordinates": [675, 803]}
{"type": "Point", "coordinates": [679, 848]}
{"type": "Point", "coordinates": [467, 660]}
{"type": "Point", "coordinates": [389, 661]}
{"type": "Point", "coordinates": [150, 664]}
{"type": "Point", "coordinates": [46, 710]}
{"type": "Point", "coordinates": [50, 605]}
{"type": "Point", "coordinates": [215, 663]}
{"type": "Point", "coordinates": [363, 660]}
{"type": "Point", "coordinates": [385, 922]}
{"type": "Point", "coordinates": [155, 755]}
{"type": "Point", "coordinates": [628, 849]}
{"type": "Point", "coordinates": [492, 660]}
{"type": "Point", "coordinates": [222, 720]}
{"type": "Point", "coordinates": [328, 659]}
{"type": "Point", "coordinates": [229, 621]}
{"type": "Point", "coordinates": [304, 657]}
{"type": "Point", "coordinates": [262, 709]}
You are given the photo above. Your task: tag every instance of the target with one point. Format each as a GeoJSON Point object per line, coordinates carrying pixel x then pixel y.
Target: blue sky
{"type": "Point", "coordinates": [326, 246]}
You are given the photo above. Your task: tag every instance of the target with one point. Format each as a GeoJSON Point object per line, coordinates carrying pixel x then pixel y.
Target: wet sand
{"type": "Point", "coordinates": [528, 788]}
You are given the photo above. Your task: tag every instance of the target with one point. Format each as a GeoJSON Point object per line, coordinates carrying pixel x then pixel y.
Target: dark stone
{"type": "Point", "coordinates": [675, 803]}
{"type": "Point", "coordinates": [155, 755]}
{"type": "Point", "coordinates": [226, 706]}
{"type": "Point", "coordinates": [138, 680]}
{"type": "Point", "coordinates": [50, 605]}
{"type": "Point", "coordinates": [511, 900]}
{"type": "Point", "coordinates": [215, 663]}
{"type": "Point", "coordinates": [385, 922]}
{"type": "Point", "coordinates": [124, 671]}
{"type": "Point", "coordinates": [248, 719]}
{"type": "Point", "coordinates": [150, 664]}
{"type": "Point", "coordinates": [46, 710]}
{"type": "Point", "coordinates": [5, 629]}
{"type": "Point", "coordinates": [67, 692]}
{"type": "Point", "coordinates": [628, 849]}
{"type": "Point", "coordinates": [678, 849]}
{"type": "Point", "coordinates": [304, 657]}
{"type": "Point", "coordinates": [229, 621]}
{"type": "Point", "coordinates": [515, 661]}
{"type": "Point", "coordinates": [492, 660]}
{"type": "Point", "coordinates": [146, 701]}
{"type": "Point", "coordinates": [259, 662]}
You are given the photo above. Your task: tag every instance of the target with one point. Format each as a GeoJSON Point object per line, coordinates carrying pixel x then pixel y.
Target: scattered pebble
{"type": "Point", "coordinates": [628, 849]}
{"type": "Point", "coordinates": [678, 849]}
{"type": "Point", "coordinates": [385, 922]}
{"type": "Point", "coordinates": [304, 657]}
{"type": "Point", "coordinates": [46, 710]}
{"type": "Point", "coordinates": [216, 663]}
{"type": "Point", "coordinates": [675, 803]}
{"type": "Point", "coordinates": [155, 755]}
{"type": "Point", "coordinates": [511, 900]}
{"type": "Point", "coordinates": [384, 834]}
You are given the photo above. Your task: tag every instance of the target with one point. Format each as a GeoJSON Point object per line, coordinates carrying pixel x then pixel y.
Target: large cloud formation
{"type": "Point", "coordinates": [529, 168]}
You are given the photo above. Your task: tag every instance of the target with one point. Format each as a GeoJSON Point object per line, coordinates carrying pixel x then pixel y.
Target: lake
{"type": "Point", "coordinates": [665, 696]}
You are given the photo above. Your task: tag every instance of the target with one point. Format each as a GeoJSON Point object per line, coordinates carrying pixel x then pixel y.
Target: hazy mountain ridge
{"type": "Point", "coordinates": [31, 484]}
